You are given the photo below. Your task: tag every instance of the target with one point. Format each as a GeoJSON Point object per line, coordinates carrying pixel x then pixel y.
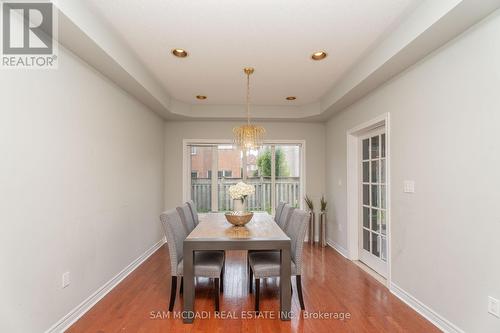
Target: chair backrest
{"type": "Point", "coordinates": [286, 212]}
{"type": "Point", "coordinates": [186, 217]}
{"type": "Point", "coordinates": [194, 211]}
{"type": "Point", "coordinates": [279, 209]}
{"type": "Point", "coordinates": [175, 232]}
{"type": "Point", "coordinates": [296, 230]}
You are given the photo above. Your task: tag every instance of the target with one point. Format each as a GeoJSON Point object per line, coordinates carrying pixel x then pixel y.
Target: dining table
{"type": "Point", "coordinates": [214, 232]}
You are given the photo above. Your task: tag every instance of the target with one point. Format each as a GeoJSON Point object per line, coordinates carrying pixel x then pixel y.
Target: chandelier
{"type": "Point", "coordinates": [248, 136]}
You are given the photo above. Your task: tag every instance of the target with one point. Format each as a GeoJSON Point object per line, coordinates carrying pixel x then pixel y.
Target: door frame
{"type": "Point", "coordinates": [186, 177]}
{"type": "Point", "coordinates": [353, 192]}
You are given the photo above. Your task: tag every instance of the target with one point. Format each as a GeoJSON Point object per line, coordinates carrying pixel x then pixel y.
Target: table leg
{"type": "Point", "coordinates": [188, 292]}
{"type": "Point", "coordinates": [285, 284]}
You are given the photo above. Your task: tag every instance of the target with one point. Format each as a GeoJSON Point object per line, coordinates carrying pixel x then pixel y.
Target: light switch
{"type": "Point", "coordinates": [494, 306]}
{"type": "Point", "coordinates": [409, 186]}
{"type": "Point", "coordinates": [65, 280]}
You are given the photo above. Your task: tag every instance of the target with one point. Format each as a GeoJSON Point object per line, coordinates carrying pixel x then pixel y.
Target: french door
{"type": "Point", "coordinates": [373, 201]}
{"type": "Point", "coordinates": [275, 171]}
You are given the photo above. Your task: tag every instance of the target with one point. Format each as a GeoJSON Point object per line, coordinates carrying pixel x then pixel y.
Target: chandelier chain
{"type": "Point", "coordinates": [248, 98]}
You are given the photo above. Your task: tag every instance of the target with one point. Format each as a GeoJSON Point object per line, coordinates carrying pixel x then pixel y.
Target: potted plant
{"type": "Point", "coordinates": [322, 221]}
{"type": "Point", "coordinates": [239, 194]}
{"type": "Point", "coordinates": [312, 218]}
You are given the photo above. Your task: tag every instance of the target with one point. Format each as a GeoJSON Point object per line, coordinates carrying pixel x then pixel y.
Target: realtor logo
{"type": "Point", "coordinates": [28, 35]}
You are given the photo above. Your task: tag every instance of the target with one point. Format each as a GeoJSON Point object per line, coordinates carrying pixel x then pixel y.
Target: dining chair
{"type": "Point", "coordinates": [186, 217]}
{"type": "Point", "coordinates": [194, 211]}
{"type": "Point", "coordinates": [206, 263]}
{"type": "Point", "coordinates": [267, 264]}
{"type": "Point", "coordinates": [279, 209]}
{"type": "Point", "coordinates": [285, 215]}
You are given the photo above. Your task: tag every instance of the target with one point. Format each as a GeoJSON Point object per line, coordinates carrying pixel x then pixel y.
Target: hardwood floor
{"type": "Point", "coordinates": [331, 284]}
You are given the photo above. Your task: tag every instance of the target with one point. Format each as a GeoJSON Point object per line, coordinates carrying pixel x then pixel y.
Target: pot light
{"type": "Point", "coordinates": [320, 55]}
{"type": "Point", "coordinates": [291, 98]}
{"type": "Point", "coordinates": [201, 97]}
{"type": "Point", "coordinates": [180, 53]}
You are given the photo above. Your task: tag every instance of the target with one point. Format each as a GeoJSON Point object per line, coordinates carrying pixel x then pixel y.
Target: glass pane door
{"type": "Point", "coordinates": [201, 174]}
{"type": "Point", "coordinates": [258, 173]}
{"type": "Point", "coordinates": [373, 231]}
{"type": "Point", "coordinates": [230, 172]}
{"type": "Point", "coordinates": [214, 167]}
{"type": "Point", "coordinates": [288, 174]}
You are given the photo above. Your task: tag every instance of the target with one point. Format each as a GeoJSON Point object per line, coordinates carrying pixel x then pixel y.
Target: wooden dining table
{"type": "Point", "coordinates": [215, 233]}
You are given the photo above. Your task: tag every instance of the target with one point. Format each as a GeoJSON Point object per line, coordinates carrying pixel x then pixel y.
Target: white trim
{"type": "Point", "coordinates": [431, 315]}
{"type": "Point", "coordinates": [337, 247]}
{"type": "Point", "coordinates": [65, 322]}
{"type": "Point", "coordinates": [353, 186]}
{"type": "Point", "coordinates": [186, 176]}
{"type": "Point", "coordinates": [425, 311]}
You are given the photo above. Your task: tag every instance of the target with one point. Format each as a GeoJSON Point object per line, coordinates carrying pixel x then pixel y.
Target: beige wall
{"type": "Point", "coordinates": [312, 133]}
{"type": "Point", "coordinates": [445, 116]}
{"type": "Point", "coordinates": [81, 188]}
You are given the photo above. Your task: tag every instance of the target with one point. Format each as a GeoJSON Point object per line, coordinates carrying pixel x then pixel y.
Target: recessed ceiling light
{"type": "Point", "coordinates": [201, 97]}
{"type": "Point", "coordinates": [320, 55]}
{"type": "Point", "coordinates": [291, 98]}
{"type": "Point", "coordinates": [180, 53]}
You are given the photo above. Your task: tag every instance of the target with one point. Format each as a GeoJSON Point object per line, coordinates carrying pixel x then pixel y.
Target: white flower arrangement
{"type": "Point", "coordinates": [241, 191]}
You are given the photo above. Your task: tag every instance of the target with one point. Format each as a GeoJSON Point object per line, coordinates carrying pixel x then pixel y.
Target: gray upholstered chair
{"type": "Point", "coordinates": [279, 209]}
{"type": "Point", "coordinates": [194, 211]}
{"type": "Point", "coordinates": [285, 215]}
{"type": "Point", "coordinates": [267, 264]}
{"type": "Point", "coordinates": [186, 217]}
{"type": "Point", "coordinates": [206, 263]}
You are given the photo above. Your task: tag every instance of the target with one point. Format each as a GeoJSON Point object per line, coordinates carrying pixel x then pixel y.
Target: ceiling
{"type": "Point", "coordinates": [276, 37]}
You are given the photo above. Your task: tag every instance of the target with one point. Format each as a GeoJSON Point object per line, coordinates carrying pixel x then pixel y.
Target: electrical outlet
{"type": "Point", "coordinates": [494, 306]}
{"type": "Point", "coordinates": [65, 280]}
{"type": "Point", "coordinates": [339, 182]}
{"type": "Point", "coordinates": [409, 186]}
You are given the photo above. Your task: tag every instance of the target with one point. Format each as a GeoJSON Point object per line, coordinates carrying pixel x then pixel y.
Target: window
{"type": "Point", "coordinates": [373, 227]}
{"type": "Point", "coordinates": [254, 167]}
{"type": "Point", "coordinates": [194, 174]}
{"type": "Point", "coordinates": [193, 150]}
{"type": "Point", "coordinates": [224, 174]}
{"type": "Point", "coordinates": [287, 172]}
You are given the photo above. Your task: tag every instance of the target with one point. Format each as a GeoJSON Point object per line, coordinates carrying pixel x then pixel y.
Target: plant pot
{"type": "Point", "coordinates": [312, 222]}
{"type": "Point", "coordinates": [322, 229]}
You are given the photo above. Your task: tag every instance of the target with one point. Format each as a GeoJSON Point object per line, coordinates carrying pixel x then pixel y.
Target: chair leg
{"type": "Point", "coordinates": [222, 278]}
{"type": "Point", "coordinates": [299, 291]}
{"type": "Point", "coordinates": [257, 292]}
{"type": "Point", "coordinates": [216, 287]}
{"type": "Point", "coordinates": [181, 288]}
{"type": "Point", "coordinates": [250, 279]}
{"type": "Point", "coordinates": [173, 291]}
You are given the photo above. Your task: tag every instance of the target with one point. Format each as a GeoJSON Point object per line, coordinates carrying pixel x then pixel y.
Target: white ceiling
{"type": "Point", "coordinates": [276, 37]}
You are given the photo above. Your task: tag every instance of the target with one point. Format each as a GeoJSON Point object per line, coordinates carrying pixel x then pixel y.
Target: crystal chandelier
{"type": "Point", "coordinates": [248, 136]}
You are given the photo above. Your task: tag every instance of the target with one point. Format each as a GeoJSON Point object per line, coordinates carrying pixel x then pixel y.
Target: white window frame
{"type": "Point", "coordinates": [186, 160]}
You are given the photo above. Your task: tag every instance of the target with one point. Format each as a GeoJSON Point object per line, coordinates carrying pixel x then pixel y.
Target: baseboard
{"type": "Point", "coordinates": [339, 248]}
{"type": "Point", "coordinates": [435, 318]}
{"type": "Point", "coordinates": [69, 319]}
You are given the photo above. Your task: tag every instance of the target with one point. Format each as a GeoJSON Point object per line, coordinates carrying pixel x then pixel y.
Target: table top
{"type": "Point", "coordinates": [214, 226]}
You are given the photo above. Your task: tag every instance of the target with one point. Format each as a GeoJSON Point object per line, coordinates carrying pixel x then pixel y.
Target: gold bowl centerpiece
{"type": "Point", "coordinates": [238, 218]}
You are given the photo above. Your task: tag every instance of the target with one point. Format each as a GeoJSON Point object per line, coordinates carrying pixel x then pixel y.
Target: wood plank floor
{"type": "Point", "coordinates": [331, 284]}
